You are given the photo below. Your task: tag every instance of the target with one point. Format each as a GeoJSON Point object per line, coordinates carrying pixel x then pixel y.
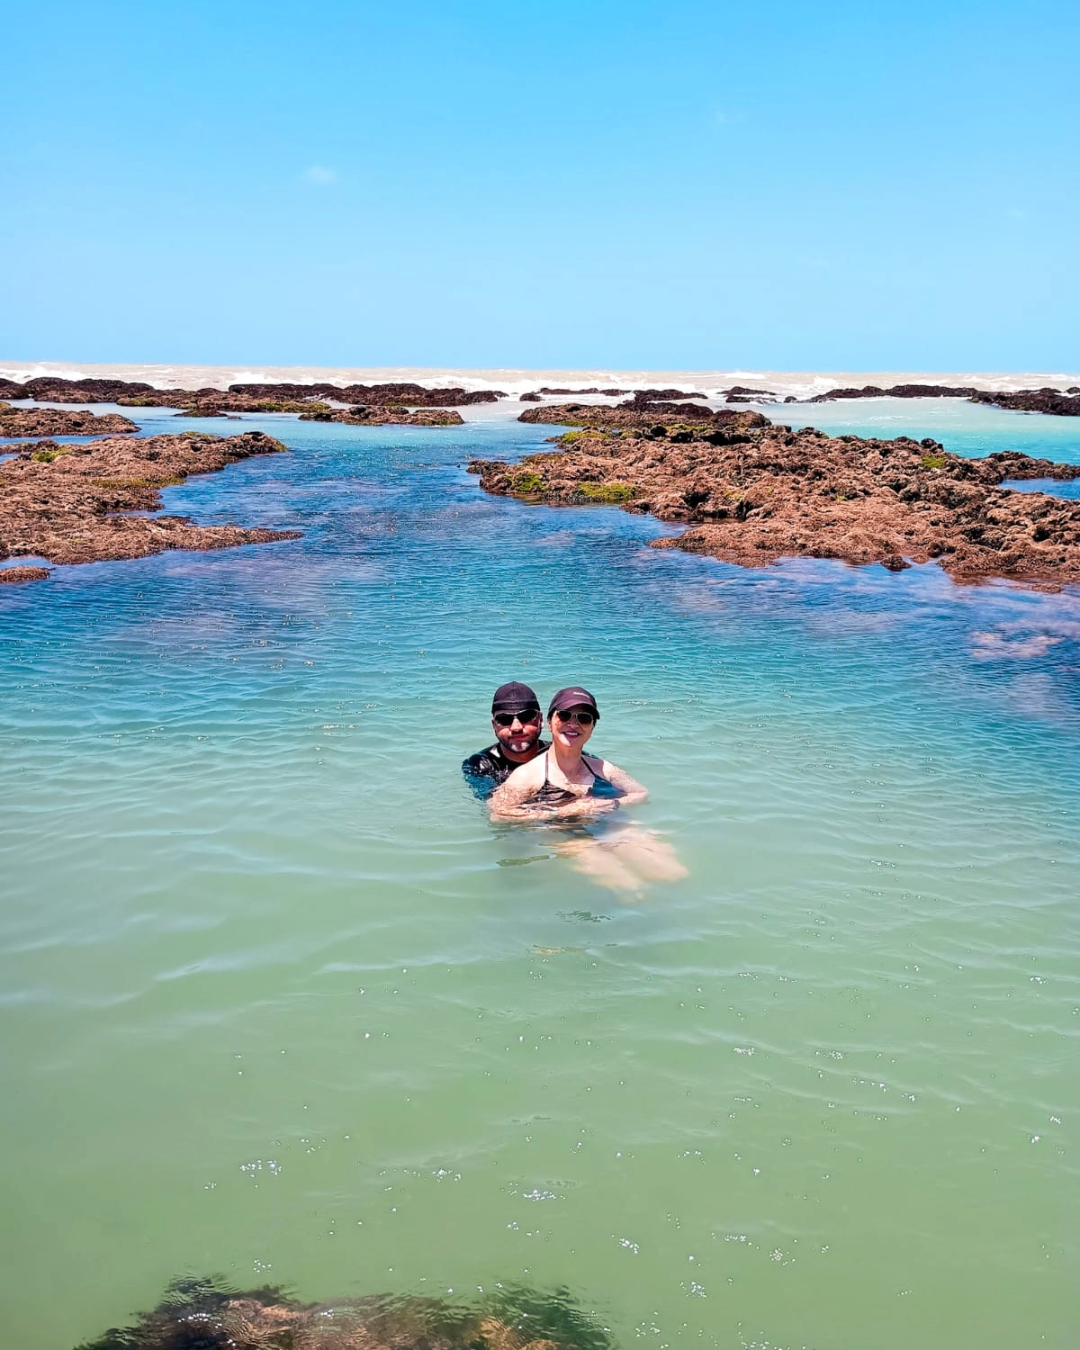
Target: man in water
{"type": "Point", "coordinates": [516, 720]}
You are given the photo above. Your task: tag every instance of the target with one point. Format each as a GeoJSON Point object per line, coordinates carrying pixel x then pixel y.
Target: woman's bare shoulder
{"type": "Point", "coordinates": [527, 774]}
{"type": "Point", "coordinates": [604, 767]}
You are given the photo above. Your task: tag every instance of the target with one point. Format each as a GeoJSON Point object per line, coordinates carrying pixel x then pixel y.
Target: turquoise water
{"type": "Point", "coordinates": [279, 1003]}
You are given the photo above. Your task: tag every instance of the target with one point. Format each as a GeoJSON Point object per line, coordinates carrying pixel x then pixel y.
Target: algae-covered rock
{"type": "Point", "coordinates": [72, 503]}
{"type": "Point", "coordinates": [205, 1314]}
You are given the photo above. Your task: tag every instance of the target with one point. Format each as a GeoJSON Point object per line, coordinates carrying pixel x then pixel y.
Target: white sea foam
{"type": "Point", "coordinates": [515, 381]}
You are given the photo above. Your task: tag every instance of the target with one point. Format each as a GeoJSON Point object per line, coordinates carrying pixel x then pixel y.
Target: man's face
{"type": "Point", "coordinates": [517, 731]}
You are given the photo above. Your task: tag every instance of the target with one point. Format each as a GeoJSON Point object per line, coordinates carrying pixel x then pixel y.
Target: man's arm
{"type": "Point", "coordinates": [478, 771]}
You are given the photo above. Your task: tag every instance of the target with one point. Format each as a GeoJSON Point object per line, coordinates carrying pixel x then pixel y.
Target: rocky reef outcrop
{"type": "Point", "coordinates": [216, 402]}
{"type": "Point", "coordinates": [206, 1315]}
{"type": "Point", "coordinates": [13, 575]}
{"type": "Point", "coordinates": [611, 393]}
{"type": "Point", "coordinates": [410, 394]}
{"type": "Point", "coordinates": [674, 419]}
{"type": "Point", "coordinates": [65, 503]}
{"type": "Point", "coordinates": [752, 492]}
{"type": "Point", "coordinates": [58, 389]}
{"type": "Point", "coordinates": [61, 422]}
{"type": "Point", "coordinates": [895, 391]}
{"type": "Point", "coordinates": [361, 416]}
{"type": "Point", "coordinates": [1051, 401]}
{"type": "Point", "coordinates": [642, 396]}
{"type": "Point", "coordinates": [246, 397]}
{"type": "Point", "coordinates": [1045, 400]}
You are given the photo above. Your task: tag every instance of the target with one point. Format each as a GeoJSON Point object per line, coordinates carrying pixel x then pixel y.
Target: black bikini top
{"type": "Point", "coordinates": [550, 794]}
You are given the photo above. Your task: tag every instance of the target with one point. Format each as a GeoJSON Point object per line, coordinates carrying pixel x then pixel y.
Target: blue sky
{"type": "Point", "coordinates": [678, 185]}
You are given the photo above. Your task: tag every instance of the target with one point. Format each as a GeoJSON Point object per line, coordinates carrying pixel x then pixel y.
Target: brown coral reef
{"type": "Point", "coordinates": [362, 416]}
{"type": "Point", "coordinates": [60, 422]}
{"type": "Point", "coordinates": [633, 415]}
{"type": "Point", "coordinates": [66, 503]}
{"type": "Point", "coordinates": [752, 492]}
{"type": "Point", "coordinates": [1057, 402]}
{"type": "Point", "coordinates": [204, 1315]}
{"type": "Point", "coordinates": [239, 397]}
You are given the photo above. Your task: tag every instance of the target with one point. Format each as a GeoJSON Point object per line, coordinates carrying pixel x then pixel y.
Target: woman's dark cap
{"type": "Point", "coordinates": [514, 697]}
{"type": "Point", "coordinates": [573, 697]}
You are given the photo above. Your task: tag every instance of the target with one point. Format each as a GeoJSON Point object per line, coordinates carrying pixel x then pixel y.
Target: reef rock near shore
{"type": "Point", "coordinates": [751, 492]}
{"type": "Point", "coordinates": [387, 417]}
{"type": "Point", "coordinates": [63, 503]}
{"type": "Point", "coordinates": [60, 422]}
{"type": "Point", "coordinates": [202, 1315]}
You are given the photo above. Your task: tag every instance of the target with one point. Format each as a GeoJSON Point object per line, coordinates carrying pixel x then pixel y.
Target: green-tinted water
{"type": "Point", "coordinates": [278, 1002]}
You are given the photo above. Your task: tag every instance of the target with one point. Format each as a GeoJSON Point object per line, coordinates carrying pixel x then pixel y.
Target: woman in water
{"type": "Point", "coordinates": [566, 784]}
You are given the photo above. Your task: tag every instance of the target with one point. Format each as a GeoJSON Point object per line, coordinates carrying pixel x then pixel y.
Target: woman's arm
{"type": "Point", "coordinates": [508, 801]}
{"type": "Point", "coordinates": [634, 791]}
{"type": "Point", "coordinates": [511, 801]}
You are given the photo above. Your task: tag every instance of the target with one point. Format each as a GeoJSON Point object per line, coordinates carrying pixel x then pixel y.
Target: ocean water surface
{"type": "Point", "coordinates": [278, 1002]}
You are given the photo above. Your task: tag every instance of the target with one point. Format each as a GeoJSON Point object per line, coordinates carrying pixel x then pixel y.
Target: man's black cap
{"type": "Point", "coordinates": [573, 697]}
{"type": "Point", "coordinates": [514, 697]}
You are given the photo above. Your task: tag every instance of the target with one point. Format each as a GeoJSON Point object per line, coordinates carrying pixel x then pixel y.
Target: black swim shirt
{"type": "Point", "coordinates": [485, 770]}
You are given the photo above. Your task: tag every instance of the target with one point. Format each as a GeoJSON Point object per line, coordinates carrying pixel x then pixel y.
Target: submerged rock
{"type": "Point", "coordinates": [207, 1315]}
{"type": "Point", "coordinates": [62, 502]}
{"type": "Point", "coordinates": [751, 492]}
{"type": "Point", "coordinates": [13, 575]}
{"type": "Point", "coordinates": [61, 422]}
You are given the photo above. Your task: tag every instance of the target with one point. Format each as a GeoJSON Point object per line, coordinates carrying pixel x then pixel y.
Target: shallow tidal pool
{"type": "Point", "coordinates": [278, 1002]}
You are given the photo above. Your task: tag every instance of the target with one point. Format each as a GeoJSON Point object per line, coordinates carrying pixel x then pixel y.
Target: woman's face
{"type": "Point", "coordinates": [567, 730]}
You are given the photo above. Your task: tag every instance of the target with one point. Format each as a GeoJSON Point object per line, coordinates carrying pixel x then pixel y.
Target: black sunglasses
{"type": "Point", "coordinates": [508, 719]}
{"type": "Point", "coordinates": [583, 719]}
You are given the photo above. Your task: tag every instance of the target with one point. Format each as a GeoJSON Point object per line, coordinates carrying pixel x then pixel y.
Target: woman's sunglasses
{"type": "Point", "coordinates": [583, 719]}
{"type": "Point", "coordinates": [508, 719]}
